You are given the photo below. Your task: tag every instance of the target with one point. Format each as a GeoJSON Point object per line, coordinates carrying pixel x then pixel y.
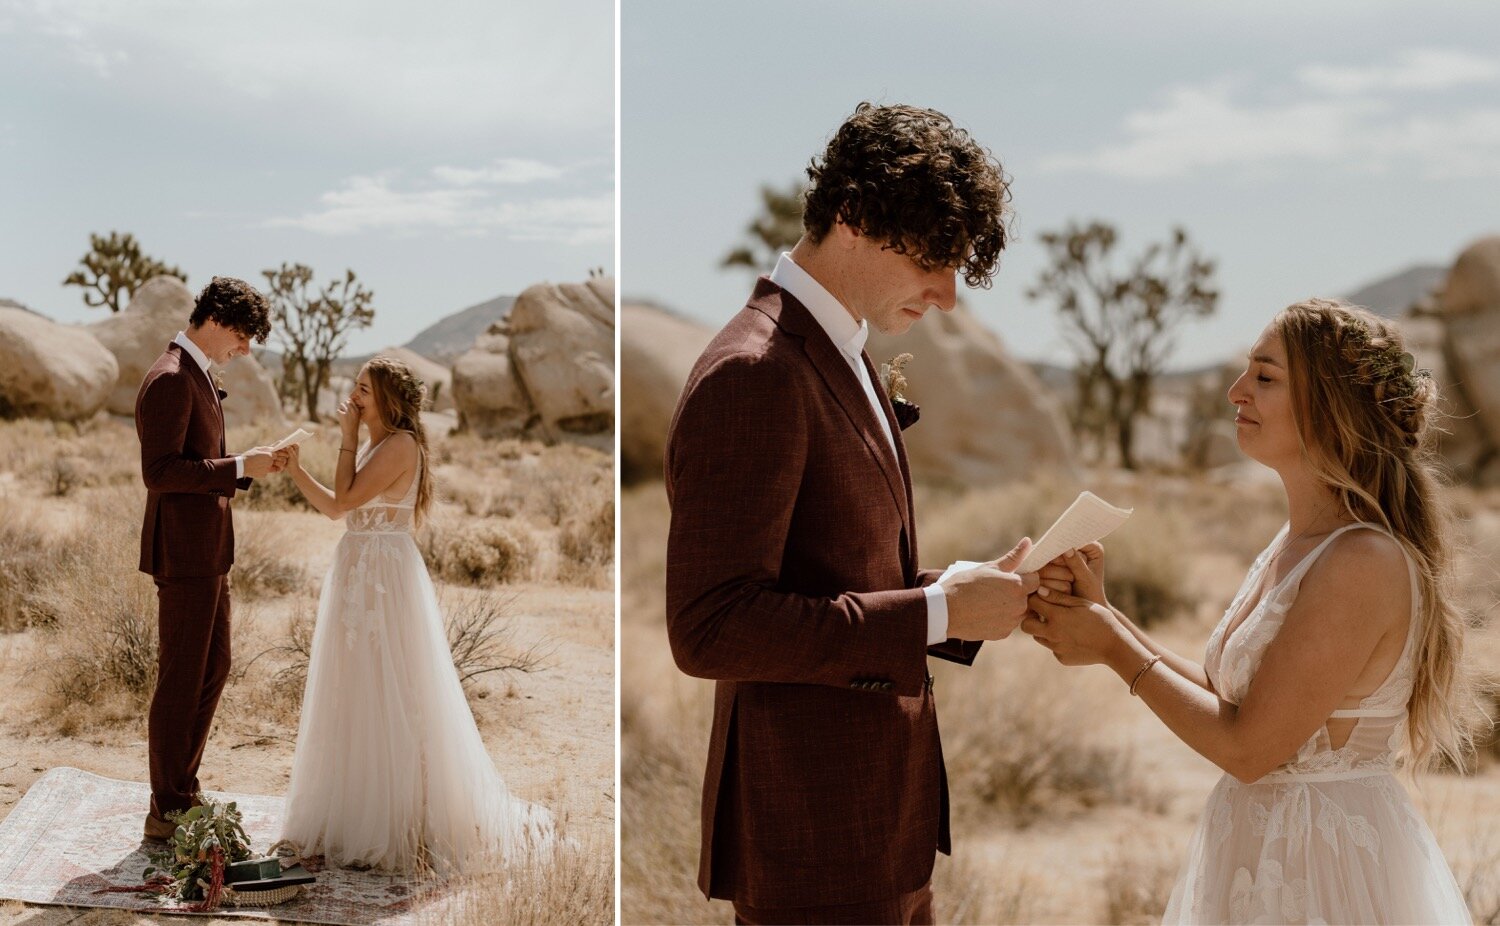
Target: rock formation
{"type": "Point", "coordinates": [48, 370]}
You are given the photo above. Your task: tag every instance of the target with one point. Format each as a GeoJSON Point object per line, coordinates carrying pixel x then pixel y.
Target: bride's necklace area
{"type": "Point", "coordinates": [1287, 545]}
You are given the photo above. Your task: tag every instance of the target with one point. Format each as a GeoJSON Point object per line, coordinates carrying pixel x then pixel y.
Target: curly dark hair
{"type": "Point", "coordinates": [235, 304]}
{"type": "Point", "coordinates": [912, 179]}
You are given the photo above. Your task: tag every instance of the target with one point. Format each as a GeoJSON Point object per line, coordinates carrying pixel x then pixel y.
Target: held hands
{"type": "Point", "coordinates": [1077, 625]}
{"type": "Point", "coordinates": [263, 461]}
{"type": "Point", "coordinates": [293, 458]}
{"type": "Point", "coordinates": [989, 601]}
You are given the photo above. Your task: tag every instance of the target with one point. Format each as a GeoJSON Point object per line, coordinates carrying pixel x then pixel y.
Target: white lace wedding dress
{"type": "Point", "coordinates": [390, 771]}
{"type": "Point", "coordinates": [1331, 836]}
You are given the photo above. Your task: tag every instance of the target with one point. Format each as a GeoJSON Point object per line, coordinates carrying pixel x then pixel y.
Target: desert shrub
{"type": "Point", "coordinates": [1024, 740]}
{"type": "Point", "coordinates": [587, 545]}
{"type": "Point", "coordinates": [1138, 882]}
{"type": "Point", "coordinates": [260, 567]}
{"type": "Point", "coordinates": [1146, 573]}
{"type": "Point", "coordinates": [30, 557]}
{"type": "Point", "coordinates": [478, 552]}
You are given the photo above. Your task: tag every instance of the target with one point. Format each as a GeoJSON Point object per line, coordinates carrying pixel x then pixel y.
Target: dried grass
{"type": "Point", "coordinates": [574, 886]}
{"type": "Point", "coordinates": [1139, 881]}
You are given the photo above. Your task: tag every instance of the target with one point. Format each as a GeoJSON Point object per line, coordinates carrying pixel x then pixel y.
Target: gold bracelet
{"type": "Point", "coordinates": [345, 450]}
{"type": "Point", "coordinates": [1142, 671]}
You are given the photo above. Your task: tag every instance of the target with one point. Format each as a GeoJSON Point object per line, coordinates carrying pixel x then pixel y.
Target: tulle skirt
{"type": "Point", "coordinates": [1351, 850]}
{"type": "Point", "coordinates": [390, 771]}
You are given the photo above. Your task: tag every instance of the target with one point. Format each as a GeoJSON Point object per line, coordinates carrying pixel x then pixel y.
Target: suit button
{"type": "Point", "coordinates": [887, 686]}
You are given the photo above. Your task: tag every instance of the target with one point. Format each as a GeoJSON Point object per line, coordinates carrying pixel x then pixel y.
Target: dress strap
{"type": "Point", "coordinates": [1306, 563]}
{"type": "Point", "coordinates": [1367, 712]}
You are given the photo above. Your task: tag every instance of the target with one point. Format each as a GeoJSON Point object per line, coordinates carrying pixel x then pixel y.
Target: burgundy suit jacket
{"type": "Point", "coordinates": [189, 479]}
{"type": "Point", "coordinates": [792, 580]}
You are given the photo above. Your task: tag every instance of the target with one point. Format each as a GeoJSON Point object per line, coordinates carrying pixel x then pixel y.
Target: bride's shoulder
{"type": "Point", "coordinates": [1363, 567]}
{"type": "Point", "coordinates": [402, 446]}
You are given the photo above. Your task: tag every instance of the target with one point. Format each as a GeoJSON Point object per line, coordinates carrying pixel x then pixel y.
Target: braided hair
{"type": "Point", "coordinates": [399, 397]}
{"type": "Point", "coordinates": [1365, 421]}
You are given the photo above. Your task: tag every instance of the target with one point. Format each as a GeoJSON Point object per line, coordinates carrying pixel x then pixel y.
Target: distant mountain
{"type": "Point", "coordinates": [1391, 296]}
{"type": "Point", "coordinates": [444, 340]}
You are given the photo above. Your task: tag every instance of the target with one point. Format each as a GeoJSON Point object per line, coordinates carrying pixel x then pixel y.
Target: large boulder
{"type": "Point", "coordinates": [986, 418]}
{"type": "Point", "coordinates": [657, 352]}
{"type": "Point", "coordinates": [49, 370]}
{"type": "Point", "coordinates": [139, 334]}
{"type": "Point", "coordinates": [1469, 306]}
{"type": "Point", "coordinates": [490, 399]}
{"type": "Point", "coordinates": [439, 379]}
{"type": "Point", "coordinates": [546, 370]}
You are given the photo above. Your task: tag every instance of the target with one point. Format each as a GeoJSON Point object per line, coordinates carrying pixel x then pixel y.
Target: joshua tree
{"type": "Point", "coordinates": [1121, 325]}
{"type": "Point", "coordinates": [113, 267]}
{"type": "Point", "coordinates": [313, 326]}
{"type": "Point", "coordinates": [776, 229]}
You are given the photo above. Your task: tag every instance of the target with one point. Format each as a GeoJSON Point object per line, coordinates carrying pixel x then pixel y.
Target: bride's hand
{"type": "Point", "coordinates": [1078, 572]}
{"type": "Point", "coordinates": [1079, 632]}
{"type": "Point", "coordinates": [293, 458]}
{"type": "Point", "coordinates": [349, 417]}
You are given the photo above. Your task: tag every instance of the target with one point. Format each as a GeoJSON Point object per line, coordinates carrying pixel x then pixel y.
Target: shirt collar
{"type": "Point", "coordinates": [846, 333]}
{"type": "Point", "coordinates": [194, 351]}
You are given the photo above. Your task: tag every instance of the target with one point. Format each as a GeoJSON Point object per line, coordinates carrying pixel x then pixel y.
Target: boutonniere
{"type": "Point", "coordinates": [219, 385]}
{"type": "Point", "coordinates": [893, 378]}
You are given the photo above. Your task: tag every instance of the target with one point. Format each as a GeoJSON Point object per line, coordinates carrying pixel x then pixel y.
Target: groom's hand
{"type": "Point", "coordinates": [259, 462]}
{"type": "Point", "coordinates": [988, 602]}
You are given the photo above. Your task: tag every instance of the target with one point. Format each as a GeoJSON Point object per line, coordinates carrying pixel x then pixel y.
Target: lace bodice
{"type": "Point", "coordinates": [1380, 719]}
{"type": "Point", "coordinates": [380, 514]}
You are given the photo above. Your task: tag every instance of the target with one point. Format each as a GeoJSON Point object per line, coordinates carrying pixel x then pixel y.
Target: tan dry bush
{"type": "Point", "coordinates": [31, 556]}
{"type": "Point", "coordinates": [260, 566]}
{"type": "Point", "coordinates": [661, 771]}
{"type": "Point", "coordinates": [1139, 881]}
{"type": "Point", "coordinates": [100, 646]}
{"type": "Point", "coordinates": [1024, 738]}
{"type": "Point", "coordinates": [992, 892]}
{"type": "Point", "coordinates": [478, 552]}
{"type": "Point", "coordinates": [574, 886]}
{"type": "Point", "coordinates": [59, 457]}
{"type": "Point", "coordinates": [586, 544]}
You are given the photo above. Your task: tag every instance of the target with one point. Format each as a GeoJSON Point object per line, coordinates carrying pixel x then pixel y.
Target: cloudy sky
{"type": "Point", "coordinates": [1309, 148]}
{"type": "Point", "coordinates": [447, 152]}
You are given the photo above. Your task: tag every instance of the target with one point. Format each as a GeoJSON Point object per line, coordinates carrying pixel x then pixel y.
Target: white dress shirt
{"type": "Point", "coordinates": [849, 336]}
{"type": "Point", "coordinates": [196, 352]}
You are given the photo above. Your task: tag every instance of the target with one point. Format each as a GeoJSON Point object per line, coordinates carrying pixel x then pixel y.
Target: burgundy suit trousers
{"type": "Point", "coordinates": [192, 667]}
{"type": "Point", "coordinates": [913, 908]}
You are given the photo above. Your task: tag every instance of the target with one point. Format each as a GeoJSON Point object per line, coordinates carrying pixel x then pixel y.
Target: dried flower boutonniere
{"type": "Point", "coordinates": [219, 385]}
{"type": "Point", "coordinates": [893, 378]}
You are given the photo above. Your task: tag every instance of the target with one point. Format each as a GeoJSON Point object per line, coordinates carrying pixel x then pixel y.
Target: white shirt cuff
{"type": "Point", "coordinates": [937, 614]}
{"type": "Point", "coordinates": [239, 467]}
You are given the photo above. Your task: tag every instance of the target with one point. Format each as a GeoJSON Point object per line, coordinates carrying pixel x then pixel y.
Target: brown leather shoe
{"type": "Point", "coordinates": [159, 830]}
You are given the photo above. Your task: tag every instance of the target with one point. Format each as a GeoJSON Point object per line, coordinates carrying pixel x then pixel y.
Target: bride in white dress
{"type": "Point", "coordinates": [1337, 662]}
{"type": "Point", "coordinates": [390, 771]}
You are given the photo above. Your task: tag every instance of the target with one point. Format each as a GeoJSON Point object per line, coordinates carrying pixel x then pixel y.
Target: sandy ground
{"type": "Point", "coordinates": [549, 731]}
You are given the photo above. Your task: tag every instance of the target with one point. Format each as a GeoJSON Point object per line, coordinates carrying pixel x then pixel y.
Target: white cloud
{"type": "Point", "coordinates": [1227, 125]}
{"type": "Point", "coordinates": [1415, 69]}
{"type": "Point", "coordinates": [501, 171]}
{"type": "Point", "coordinates": [458, 66]}
{"type": "Point", "coordinates": [454, 203]}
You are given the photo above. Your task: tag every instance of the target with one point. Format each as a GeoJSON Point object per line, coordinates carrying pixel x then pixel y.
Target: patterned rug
{"type": "Point", "coordinates": [74, 833]}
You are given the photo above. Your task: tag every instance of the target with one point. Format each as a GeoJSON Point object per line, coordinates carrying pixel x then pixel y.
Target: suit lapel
{"type": "Point", "coordinates": [205, 388]}
{"type": "Point", "coordinates": [842, 382]}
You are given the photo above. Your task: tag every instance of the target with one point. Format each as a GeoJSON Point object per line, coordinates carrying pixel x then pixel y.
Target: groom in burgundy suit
{"type": "Point", "coordinates": [187, 538]}
{"type": "Point", "coordinates": [792, 574]}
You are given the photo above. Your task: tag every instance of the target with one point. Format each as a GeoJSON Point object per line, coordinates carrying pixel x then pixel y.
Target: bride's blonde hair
{"type": "Point", "coordinates": [1364, 417]}
{"type": "Point", "coordinates": [399, 397]}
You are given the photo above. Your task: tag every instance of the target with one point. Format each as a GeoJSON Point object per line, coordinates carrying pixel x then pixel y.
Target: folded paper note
{"type": "Point", "coordinates": [296, 437]}
{"type": "Point", "coordinates": [1089, 518]}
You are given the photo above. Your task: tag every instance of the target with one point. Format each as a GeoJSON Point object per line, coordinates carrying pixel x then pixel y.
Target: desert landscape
{"type": "Point", "coordinates": [1071, 802]}
{"type": "Point", "coordinates": [519, 543]}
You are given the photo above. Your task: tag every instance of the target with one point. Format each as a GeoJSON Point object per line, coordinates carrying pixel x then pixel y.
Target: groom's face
{"type": "Point", "coordinates": [895, 291]}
